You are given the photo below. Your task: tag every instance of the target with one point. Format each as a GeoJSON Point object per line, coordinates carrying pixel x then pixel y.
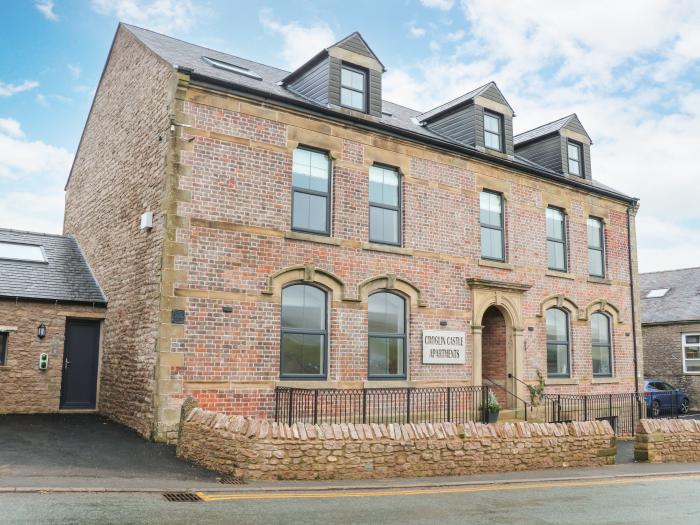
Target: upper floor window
{"type": "Point", "coordinates": [491, 219]}
{"type": "Point", "coordinates": [601, 347]}
{"type": "Point", "coordinates": [691, 353]}
{"type": "Point", "coordinates": [3, 348]}
{"type": "Point", "coordinates": [556, 240]}
{"type": "Point", "coordinates": [573, 150]}
{"type": "Point", "coordinates": [493, 131]}
{"type": "Point", "coordinates": [353, 88]}
{"type": "Point", "coordinates": [558, 349]}
{"type": "Point", "coordinates": [596, 252]}
{"type": "Point", "coordinates": [386, 314]}
{"type": "Point", "coordinates": [311, 191]}
{"type": "Point", "coordinates": [304, 332]}
{"type": "Point", "coordinates": [384, 205]}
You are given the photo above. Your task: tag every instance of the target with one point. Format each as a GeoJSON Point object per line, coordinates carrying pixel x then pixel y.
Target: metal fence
{"type": "Point", "coordinates": [381, 405]}
{"type": "Point", "coordinates": [622, 411]}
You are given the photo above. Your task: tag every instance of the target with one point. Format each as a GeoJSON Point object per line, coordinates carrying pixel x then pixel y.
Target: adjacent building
{"type": "Point", "coordinates": [51, 314]}
{"type": "Point", "coordinates": [671, 328]}
{"type": "Point", "coordinates": [253, 228]}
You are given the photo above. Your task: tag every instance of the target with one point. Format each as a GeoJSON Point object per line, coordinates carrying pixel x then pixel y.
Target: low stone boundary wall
{"type": "Point", "coordinates": [667, 441]}
{"type": "Point", "coordinates": [262, 450]}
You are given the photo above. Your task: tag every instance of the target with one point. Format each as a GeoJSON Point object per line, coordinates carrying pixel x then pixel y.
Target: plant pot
{"type": "Point", "coordinates": [493, 416]}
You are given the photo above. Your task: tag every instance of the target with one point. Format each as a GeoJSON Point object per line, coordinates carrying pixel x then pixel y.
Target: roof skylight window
{"type": "Point", "coordinates": [656, 293]}
{"type": "Point", "coordinates": [21, 252]}
{"type": "Point", "coordinates": [231, 68]}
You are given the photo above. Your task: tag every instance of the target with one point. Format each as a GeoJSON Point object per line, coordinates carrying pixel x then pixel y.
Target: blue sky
{"type": "Point", "coordinates": [630, 70]}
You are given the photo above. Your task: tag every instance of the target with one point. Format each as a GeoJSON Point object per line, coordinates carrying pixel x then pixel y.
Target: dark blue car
{"type": "Point", "coordinates": [662, 398]}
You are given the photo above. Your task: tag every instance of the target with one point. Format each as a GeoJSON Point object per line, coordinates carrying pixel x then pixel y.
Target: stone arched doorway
{"type": "Point", "coordinates": [497, 336]}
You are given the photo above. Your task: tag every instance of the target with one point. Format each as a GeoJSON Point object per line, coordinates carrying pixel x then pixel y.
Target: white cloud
{"type": "Point", "coordinates": [11, 127]}
{"type": "Point", "coordinates": [42, 100]}
{"type": "Point", "coordinates": [415, 31]}
{"type": "Point", "coordinates": [21, 158]}
{"type": "Point", "coordinates": [299, 42]}
{"type": "Point", "coordinates": [37, 211]}
{"type": "Point", "coordinates": [41, 170]}
{"type": "Point", "coordinates": [45, 7]}
{"type": "Point", "coordinates": [157, 15]}
{"type": "Point", "coordinates": [7, 90]}
{"type": "Point", "coordinates": [627, 79]}
{"type": "Point", "coordinates": [456, 36]}
{"type": "Point", "coordinates": [75, 70]}
{"type": "Point", "coordinates": [443, 5]}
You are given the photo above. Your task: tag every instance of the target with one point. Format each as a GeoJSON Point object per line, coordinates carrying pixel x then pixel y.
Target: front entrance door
{"type": "Point", "coordinates": [80, 361]}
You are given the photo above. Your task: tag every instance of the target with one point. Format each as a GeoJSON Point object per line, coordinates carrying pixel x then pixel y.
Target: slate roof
{"type": "Point", "coordinates": [681, 302]}
{"type": "Point", "coordinates": [543, 130]}
{"type": "Point", "coordinates": [457, 101]}
{"type": "Point", "coordinates": [182, 54]}
{"type": "Point", "coordinates": [65, 277]}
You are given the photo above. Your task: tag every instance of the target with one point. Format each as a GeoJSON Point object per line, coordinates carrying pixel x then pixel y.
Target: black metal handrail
{"type": "Point", "coordinates": [623, 410]}
{"type": "Point", "coordinates": [381, 405]}
{"type": "Point", "coordinates": [525, 403]}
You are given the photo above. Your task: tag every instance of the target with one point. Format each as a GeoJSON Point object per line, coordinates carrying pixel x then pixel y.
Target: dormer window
{"type": "Point", "coordinates": [574, 155]}
{"type": "Point", "coordinates": [353, 88]}
{"type": "Point", "coordinates": [493, 131]}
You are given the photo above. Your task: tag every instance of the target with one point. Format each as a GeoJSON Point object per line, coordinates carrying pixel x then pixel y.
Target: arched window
{"type": "Point", "coordinates": [558, 343]}
{"type": "Point", "coordinates": [387, 335]}
{"type": "Point", "coordinates": [304, 332]}
{"type": "Point", "coordinates": [601, 349]}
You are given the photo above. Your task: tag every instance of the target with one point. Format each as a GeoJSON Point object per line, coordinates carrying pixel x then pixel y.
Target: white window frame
{"type": "Point", "coordinates": [685, 345]}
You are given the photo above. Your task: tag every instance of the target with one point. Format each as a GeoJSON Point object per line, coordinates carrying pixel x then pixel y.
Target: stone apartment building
{"type": "Point", "coordinates": [671, 328]}
{"type": "Point", "coordinates": [305, 232]}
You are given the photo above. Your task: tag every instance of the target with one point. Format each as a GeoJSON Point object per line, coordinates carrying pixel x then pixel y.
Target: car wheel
{"type": "Point", "coordinates": [655, 408]}
{"type": "Point", "coordinates": [684, 406]}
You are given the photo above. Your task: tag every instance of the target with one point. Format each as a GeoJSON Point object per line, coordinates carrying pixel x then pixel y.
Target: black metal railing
{"type": "Point", "coordinates": [622, 411]}
{"type": "Point", "coordinates": [382, 405]}
{"type": "Point", "coordinates": [515, 400]}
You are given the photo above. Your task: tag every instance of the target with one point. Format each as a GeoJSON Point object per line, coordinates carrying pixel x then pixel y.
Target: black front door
{"type": "Point", "coordinates": [80, 360]}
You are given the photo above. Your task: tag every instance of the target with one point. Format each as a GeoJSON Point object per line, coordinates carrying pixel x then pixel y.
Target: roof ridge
{"type": "Point", "coordinates": [128, 26]}
{"type": "Point", "coordinates": [546, 124]}
{"type": "Point", "coordinates": [473, 94]}
{"type": "Point", "coordinates": [669, 271]}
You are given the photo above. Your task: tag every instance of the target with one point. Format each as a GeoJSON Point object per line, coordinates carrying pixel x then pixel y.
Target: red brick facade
{"type": "Point", "coordinates": [228, 244]}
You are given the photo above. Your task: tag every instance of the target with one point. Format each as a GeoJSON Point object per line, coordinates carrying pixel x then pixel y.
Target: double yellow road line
{"type": "Point", "coordinates": [374, 493]}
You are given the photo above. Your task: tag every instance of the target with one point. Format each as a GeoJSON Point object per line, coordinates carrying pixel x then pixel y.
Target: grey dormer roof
{"type": "Point", "coordinates": [392, 119]}
{"type": "Point", "coordinates": [65, 277]}
{"type": "Point", "coordinates": [447, 106]}
{"type": "Point", "coordinates": [681, 302]}
{"type": "Point", "coordinates": [553, 127]}
{"type": "Point", "coordinates": [353, 42]}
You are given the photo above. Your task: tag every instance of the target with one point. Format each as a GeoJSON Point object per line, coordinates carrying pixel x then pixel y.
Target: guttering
{"type": "Point", "coordinates": [208, 82]}
{"type": "Point", "coordinates": [19, 298]}
{"type": "Point", "coordinates": [632, 292]}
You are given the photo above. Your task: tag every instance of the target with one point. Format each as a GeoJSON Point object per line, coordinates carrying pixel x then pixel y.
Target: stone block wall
{"type": "Point", "coordinates": [23, 387]}
{"type": "Point", "coordinates": [667, 441]}
{"type": "Point", "coordinates": [118, 174]}
{"type": "Point", "coordinates": [263, 450]}
{"type": "Point", "coordinates": [663, 357]}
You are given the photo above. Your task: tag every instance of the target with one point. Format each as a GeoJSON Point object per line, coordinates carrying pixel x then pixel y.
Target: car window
{"type": "Point", "coordinates": [668, 387]}
{"type": "Point", "coordinates": [653, 385]}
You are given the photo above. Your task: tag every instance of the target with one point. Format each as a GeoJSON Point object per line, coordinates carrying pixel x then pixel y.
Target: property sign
{"type": "Point", "coordinates": [444, 348]}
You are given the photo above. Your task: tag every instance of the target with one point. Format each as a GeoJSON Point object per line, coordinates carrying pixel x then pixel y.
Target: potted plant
{"type": "Point", "coordinates": [493, 407]}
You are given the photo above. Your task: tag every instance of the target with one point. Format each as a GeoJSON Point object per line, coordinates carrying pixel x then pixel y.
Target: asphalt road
{"type": "Point", "coordinates": [636, 501]}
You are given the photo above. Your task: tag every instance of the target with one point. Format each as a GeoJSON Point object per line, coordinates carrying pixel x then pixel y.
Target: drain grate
{"type": "Point", "coordinates": [181, 496]}
{"type": "Point", "coordinates": [228, 479]}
